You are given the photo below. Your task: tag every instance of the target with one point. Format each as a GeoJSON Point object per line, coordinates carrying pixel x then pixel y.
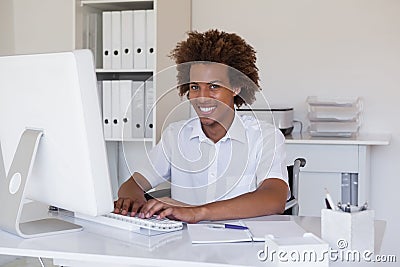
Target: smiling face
{"type": "Point", "coordinates": [211, 95]}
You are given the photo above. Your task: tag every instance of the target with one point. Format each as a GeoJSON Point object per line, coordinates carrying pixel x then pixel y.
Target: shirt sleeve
{"type": "Point", "coordinates": [272, 156]}
{"type": "Point", "coordinates": [155, 165]}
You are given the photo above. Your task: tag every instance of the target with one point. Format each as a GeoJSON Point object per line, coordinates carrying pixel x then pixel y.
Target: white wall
{"type": "Point", "coordinates": [56, 26]}
{"type": "Point", "coordinates": [329, 48]}
{"type": "Point", "coordinates": [6, 28]}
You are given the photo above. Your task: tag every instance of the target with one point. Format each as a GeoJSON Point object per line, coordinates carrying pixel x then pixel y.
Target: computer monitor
{"type": "Point", "coordinates": [51, 137]}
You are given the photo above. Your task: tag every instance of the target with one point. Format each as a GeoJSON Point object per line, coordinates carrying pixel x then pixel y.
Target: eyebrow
{"type": "Point", "coordinates": [216, 81]}
{"type": "Point", "coordinates": [210, 82]}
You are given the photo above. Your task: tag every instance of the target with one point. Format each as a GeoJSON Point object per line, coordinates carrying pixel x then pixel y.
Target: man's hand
{"type": "Point", "coordinates": [124, 205]}
{"type": "Point", "coordinates": [185, 214]}
{"type": "Point", "coordinates": [131, 195]}
{"type": "Point", "coordinates": [172, 209]}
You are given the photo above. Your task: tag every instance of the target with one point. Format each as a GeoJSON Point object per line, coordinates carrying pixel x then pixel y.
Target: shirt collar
{"type": "Point", "coordinates": [196, 129]}
{"type": "Point", "coordinates": [236, 131]}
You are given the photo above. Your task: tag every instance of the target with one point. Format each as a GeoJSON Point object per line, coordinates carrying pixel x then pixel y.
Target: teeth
{"type": "Point", "coordinates": [206, 109]}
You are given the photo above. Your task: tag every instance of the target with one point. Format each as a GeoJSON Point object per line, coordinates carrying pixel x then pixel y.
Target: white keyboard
{"type": "Point", "coordinates": [134, 223]}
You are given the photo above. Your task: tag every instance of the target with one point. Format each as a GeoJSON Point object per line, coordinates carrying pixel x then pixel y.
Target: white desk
{"type": "Point", "coordinates": [105, 246]}
{"type": "Point", "coordinates": [327, 159]}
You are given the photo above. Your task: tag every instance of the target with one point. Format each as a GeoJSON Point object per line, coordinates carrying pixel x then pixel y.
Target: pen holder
{"type": "Point", "coordinates": [348, 230]}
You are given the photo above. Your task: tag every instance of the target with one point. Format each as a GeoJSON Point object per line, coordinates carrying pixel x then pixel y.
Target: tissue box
{"type": "Point", "coordinates": [306, 250]}
{"type": "Point", "coordinates": [348, 231]}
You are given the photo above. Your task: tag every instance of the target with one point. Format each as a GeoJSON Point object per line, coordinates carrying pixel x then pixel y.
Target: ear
{"type": "Point", "coordinates": [236, 91]}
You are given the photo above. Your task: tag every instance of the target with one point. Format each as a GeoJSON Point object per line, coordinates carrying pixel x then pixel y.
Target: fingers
{"type": "Point", "coordinates": [166, 213]}
{"type": "Point", "coordinates": [118, 205]}
{"type": "Point", "coordinates": [185, 214]}
{"type": "Point", "coordinates": [152, 207]}
{"type": "Point", "coordinates": [136, 207]}
{"type": "Point", "coordinates": [174, 213]}
{"type": "Point", "coordinates": [124, 205]}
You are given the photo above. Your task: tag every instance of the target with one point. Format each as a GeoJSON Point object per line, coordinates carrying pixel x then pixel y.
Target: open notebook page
{"type": "Point", "coordinates": [259, 229]}
{"type": "Point", "coordinates": [204, 234]}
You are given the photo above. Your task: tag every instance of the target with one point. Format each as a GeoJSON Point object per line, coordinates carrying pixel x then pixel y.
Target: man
{"type": "Point", "coordinates": [220, 165]}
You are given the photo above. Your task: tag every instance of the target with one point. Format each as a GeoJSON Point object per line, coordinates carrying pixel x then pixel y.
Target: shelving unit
{"type": "Point", "coordinates": [115, 5]}
{"type": "Point", "coordinates": [170, 29]}
{"type": "Point", "coordinates": [129, 148]}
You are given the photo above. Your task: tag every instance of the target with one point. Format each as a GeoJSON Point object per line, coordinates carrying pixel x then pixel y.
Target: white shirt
{"type": "Point", "coordinates": [201, 171]}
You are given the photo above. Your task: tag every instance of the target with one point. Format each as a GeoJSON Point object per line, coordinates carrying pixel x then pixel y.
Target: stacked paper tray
{"type": "Point", "coordinates": [334, 116]}
{"type": "Point", "coordinates": [328, 128]}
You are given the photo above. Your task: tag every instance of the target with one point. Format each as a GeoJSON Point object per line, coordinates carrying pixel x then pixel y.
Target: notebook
{"type": "Point", "coordinates": [204, 234]}
{"type": "Point", "coordinates": [278, 229]}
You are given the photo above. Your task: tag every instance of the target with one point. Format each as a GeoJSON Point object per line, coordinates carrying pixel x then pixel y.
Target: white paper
{"type": "Point", "coordinates": [278, 229]}
{"type": "Point", "coordinates": [204, 234]}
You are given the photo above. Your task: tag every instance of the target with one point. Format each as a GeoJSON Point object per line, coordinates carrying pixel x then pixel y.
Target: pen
{"type": "Point", "coordinates": [350, 208]}
{"type": "Point", "coordinates": [364, 207]}
{"type": "Point", "coordinates": [328, 206]}
{"type": "Point", "coordinates": [228, 226]}
{"type": "Point", "coordinates": [340, 206]}
{"type": "Point", "coordinates": [329, 200]}
{"type": "Point", "coordinates": [347, 208]}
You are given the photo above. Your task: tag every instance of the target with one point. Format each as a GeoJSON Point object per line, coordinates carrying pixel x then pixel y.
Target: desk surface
{"type": "Point", "coordinates": [107, 246]}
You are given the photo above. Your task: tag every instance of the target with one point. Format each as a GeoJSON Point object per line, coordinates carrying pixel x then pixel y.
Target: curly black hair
{"type": "Point", "coordinates": [221, 47]}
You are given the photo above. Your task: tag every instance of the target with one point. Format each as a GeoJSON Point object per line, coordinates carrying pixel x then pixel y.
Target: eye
{"type": "Point", "coordinates": [194, 87]}
{"type": "Point", "coordinates": [214, 86]}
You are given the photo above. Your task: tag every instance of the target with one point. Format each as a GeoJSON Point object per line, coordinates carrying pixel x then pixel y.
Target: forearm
{"type": "Point", "coordinates": [269, 198]}
{"type": "Point", "coordinates": [135, 185]}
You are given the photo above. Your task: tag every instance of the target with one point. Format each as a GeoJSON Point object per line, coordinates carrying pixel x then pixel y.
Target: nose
{"type": "Point", "coordinates": [204, 96]}
{"type": "Point", "coordinates": [204, 92]}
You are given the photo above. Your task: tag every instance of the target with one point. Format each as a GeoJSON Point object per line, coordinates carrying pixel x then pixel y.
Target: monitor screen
{"type": "Point", "coordinates": [55, 95]}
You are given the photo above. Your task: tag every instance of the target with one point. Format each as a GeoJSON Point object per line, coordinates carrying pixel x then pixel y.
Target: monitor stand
{"type": "Point", "coordinates": [12, 192]}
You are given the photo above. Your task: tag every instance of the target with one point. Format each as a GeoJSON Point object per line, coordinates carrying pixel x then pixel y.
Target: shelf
{"type": "Point", "coordinates": [116, 5]}
{"type": "Point", "coordinates": [124, 71]}
{"type": "Point", "coordinates": [129, 140]}
{"type": "Point", "coordinates": [360, 139]}
{"type": "Point", "coordinates": [139, 75]}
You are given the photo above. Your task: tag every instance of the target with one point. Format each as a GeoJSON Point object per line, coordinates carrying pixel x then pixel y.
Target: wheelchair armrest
{"type": "Point", "coordinates": [158, 193]}
{"type": "Point", "coordinates": [291, 203]}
